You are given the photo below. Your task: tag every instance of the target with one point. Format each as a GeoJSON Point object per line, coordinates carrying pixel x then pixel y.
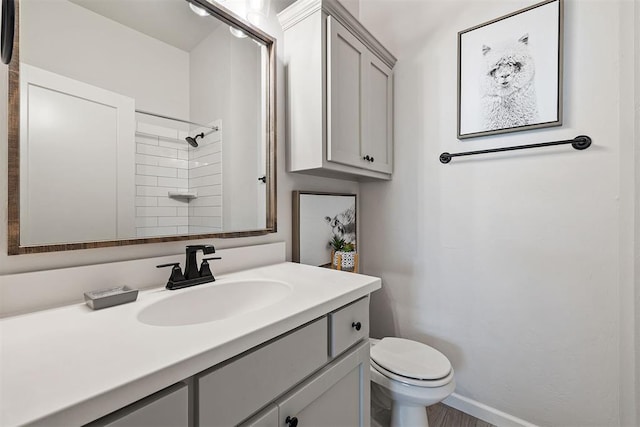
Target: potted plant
{"type": "Point", "coordinates": [343, 254]}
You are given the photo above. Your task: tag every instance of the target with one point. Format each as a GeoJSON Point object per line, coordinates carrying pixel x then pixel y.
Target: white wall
{"type": "Point", "coordinates": [225, 84]}
{"type": "Point", "coordinates": [241, 183]}
{"type": "Point", "coordinates": [629, 215]}
{"type": "Point", "coordinates": [636, 401]}
{"type": "Point", "coordinates": [510, 263]}
{"type": "Point", "coordinates": [286, 183]}
{"type": "Point", "coordinates": [114, 57]}
{"type": "Point", "coordinates": [637, 211]}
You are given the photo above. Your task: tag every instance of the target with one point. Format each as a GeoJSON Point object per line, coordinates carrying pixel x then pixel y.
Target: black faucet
{"type": "Point", "coordinates": [191, 263]}
{"type": "Point", "coordinates": [192, 276]}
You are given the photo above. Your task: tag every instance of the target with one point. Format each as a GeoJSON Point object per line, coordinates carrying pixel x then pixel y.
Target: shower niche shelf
{"type": "Point", "coordinates": [183, 195]}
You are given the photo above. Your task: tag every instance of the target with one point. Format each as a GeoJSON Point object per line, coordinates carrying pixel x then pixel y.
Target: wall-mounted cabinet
{"type": "Point", "coordinates": [339, 94]}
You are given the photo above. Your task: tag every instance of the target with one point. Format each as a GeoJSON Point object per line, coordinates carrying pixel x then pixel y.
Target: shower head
{"type": "Point", "coordinates": [192, 141]}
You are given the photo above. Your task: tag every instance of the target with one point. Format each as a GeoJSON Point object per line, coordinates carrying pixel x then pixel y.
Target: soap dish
{"type": "Point", "coordinates": [110, 297]}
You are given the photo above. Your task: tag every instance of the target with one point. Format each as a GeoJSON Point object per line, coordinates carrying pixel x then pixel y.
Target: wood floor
{"type": "Point", "coordinates": [441, 415]}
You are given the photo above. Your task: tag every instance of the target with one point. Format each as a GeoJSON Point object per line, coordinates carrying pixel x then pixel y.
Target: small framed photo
{"type": "Point", "coordinates": [323, 224]}
{"type": "Point", "coordinates": [510, 72]}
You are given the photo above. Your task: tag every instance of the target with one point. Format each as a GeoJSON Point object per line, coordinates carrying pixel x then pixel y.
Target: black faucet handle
{"type": "Point", "coordinates": [176, 271]}
{"type": "Point", "coordinates": [171, 264]}
{"type": "Point", "coordinates": [205, 270]}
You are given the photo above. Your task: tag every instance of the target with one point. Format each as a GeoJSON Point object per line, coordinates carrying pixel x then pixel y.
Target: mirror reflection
{"type": "Point", "coordinates": [139, 119]}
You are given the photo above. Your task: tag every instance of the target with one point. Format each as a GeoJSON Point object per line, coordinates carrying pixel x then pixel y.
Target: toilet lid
{"type": "Point", "coordinates": [410, 359]}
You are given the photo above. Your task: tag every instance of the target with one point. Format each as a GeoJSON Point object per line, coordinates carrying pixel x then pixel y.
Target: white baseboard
{"type": "Point", "coordinates": [484, 412]}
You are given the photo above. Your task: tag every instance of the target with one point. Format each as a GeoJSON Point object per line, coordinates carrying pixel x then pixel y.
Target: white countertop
{"type": "Point", "coordinates": [71, 365]}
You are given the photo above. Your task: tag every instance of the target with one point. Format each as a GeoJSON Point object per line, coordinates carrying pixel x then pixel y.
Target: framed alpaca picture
{"type": "Point", "coordinates": [323, 223]}
{"type": "Point", "coordinates": [510, 72]}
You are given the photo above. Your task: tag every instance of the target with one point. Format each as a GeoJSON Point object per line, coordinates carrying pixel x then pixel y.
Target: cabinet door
{"type": "Point", "coordinates": [346, 63]}
{"type": "Point", "coordinates": [338, 396]}
{"type": "Point", "coordinates": [377, 144]}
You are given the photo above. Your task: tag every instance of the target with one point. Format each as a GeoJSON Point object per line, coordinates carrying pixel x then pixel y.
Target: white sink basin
{"type": "Point", "coordinates": [213, 302]}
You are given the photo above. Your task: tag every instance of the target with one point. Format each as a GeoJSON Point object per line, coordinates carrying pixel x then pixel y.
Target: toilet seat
{"type": "Point", "coordinates": [411, 362]}
{"type": "Point", "coordinates": [390, 376]}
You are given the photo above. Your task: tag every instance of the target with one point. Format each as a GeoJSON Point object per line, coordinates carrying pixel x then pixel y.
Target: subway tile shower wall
{"type": "Point", "coordinates": [166, 163]}
{"type": "Point", "coordinates": [205, 177]}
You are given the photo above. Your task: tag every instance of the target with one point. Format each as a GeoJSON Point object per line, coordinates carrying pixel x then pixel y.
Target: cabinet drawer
{"type": "Point", "coordinates": [169, 407]}
{"type": "Point", "coordinates": [266, 418]}
{"type": "Point", "coordinates": [231, 393]}
{"type": "Point", "coordinates": [343, 326]}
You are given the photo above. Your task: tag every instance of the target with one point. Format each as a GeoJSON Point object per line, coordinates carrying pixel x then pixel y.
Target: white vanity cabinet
{"type": "Point", "coordinates": [316, 374]}
{"type": "Point", "coordinates": [339, 96]}
{"type": "Point", "coordinates": [304, 355]}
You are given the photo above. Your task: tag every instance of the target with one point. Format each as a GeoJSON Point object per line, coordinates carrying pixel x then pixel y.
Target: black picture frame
{"type": "Point", "coordinates": [510, 72]}
{"type": "Point", "coordinates": [7, 30]}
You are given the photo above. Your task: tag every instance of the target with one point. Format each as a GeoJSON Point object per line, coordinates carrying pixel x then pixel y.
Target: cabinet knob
{"type": "Point", "coordinates": [291, 421]}
{"type": "Point", "coordinates": [372, 160]}
{"type": "Point", "coordinates": [356, 325]}
{"type": "Point", "coordinates": [367, 158]}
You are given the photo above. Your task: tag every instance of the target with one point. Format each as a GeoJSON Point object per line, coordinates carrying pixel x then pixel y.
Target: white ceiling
{"type": "Point", "coordinates": [170, 21]}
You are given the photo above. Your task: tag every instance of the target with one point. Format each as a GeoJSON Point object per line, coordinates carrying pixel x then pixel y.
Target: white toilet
{"type": "Point", "coordinates": [412, 375]}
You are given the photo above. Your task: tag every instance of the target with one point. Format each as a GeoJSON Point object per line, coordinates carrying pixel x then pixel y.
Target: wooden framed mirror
{"type": "Point", "coordinates": [138, 122]}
